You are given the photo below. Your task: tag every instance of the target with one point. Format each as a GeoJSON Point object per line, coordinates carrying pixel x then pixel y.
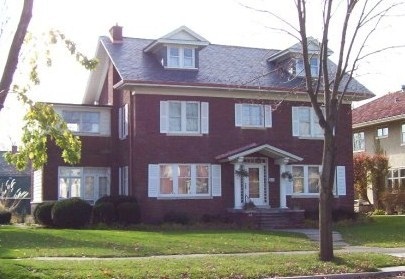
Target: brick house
{"type": "Point", "coordinates": [382, 121]}
{"type": "Point", "coordinates": [172, 121]}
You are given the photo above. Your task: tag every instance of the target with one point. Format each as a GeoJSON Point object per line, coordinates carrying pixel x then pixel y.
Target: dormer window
{"type": "Point", "coordinates": [180, 57]}
{"type": "Point", "coordinates": [300, 70]}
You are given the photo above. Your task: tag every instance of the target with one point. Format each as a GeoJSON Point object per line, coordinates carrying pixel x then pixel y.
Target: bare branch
{"type": "Point", "coordinates": [12, 59]}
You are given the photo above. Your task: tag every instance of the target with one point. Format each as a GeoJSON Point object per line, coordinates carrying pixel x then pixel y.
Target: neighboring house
{"type": "Point", "coordinates": [22, 179]}
{"type": "Point", "coordinates": [381, 124]}
{"type": "Point", "coordinates": [171, 121]}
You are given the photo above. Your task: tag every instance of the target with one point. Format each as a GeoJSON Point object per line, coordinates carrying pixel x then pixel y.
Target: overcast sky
{"type": "Point", "coordinates": [219, 21]}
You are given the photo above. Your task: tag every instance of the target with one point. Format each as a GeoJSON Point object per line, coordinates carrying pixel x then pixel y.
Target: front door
{"type": "Point", "coordinates": [254, 185]}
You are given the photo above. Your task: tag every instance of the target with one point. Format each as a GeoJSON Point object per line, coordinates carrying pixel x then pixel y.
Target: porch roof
{"type": "Point", "coordinates": [265, 149]}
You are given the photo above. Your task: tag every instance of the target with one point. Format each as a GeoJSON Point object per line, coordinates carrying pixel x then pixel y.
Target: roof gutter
{"type": "Point", "coordinates": [349, 96]}
{"type": "Point", "coordinates": [378, 121]}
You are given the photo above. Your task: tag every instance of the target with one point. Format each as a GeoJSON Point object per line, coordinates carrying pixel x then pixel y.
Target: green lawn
{"type": "Point", "coordinates": [248, 266]}
{"type": "Point", "coordinates": [382, 231]}
{"type": "Point", "coordinates": [18, 242]}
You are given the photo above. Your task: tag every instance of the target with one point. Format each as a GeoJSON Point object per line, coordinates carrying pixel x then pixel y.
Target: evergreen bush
{"type": "Point", "coordinates": [43, 213]}
{"type": "Point", "coordinates": [104, 212]}
{"type": "Point", "coordinates": [5, 217]}
{"type": "Point", "coordinates": [71, 213]}
{"type": "Point", "coordinates": [128, 213]}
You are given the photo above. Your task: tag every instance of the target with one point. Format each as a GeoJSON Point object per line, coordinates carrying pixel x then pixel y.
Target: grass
{"type": "Point", "coordinates": [381, 231]}
{"type": "Point", "coordinates": [27, 242]}
{"type": "Point", "coordinates": [248, 266]}
{"type": "Point", "coordinates": [217, 250]}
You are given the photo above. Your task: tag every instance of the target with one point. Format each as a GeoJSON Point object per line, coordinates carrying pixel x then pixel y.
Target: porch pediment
{"type": "Point", "coordinates": [264, 149]}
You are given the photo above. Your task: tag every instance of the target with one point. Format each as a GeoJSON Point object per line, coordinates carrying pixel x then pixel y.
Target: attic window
{"type": "Point", "coordinates": [181, 57]}
{"type": "Point", "coordinates": [300, 70]}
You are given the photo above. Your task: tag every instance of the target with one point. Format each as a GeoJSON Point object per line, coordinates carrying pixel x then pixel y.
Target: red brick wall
{"type": "Point", "coordinates": [151, 147]}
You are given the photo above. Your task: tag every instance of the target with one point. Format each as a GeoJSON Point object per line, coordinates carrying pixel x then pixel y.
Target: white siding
{"type": "Point", "coordinates": [37, 186]}
{"type": "Point", "coordinates": [105, 117]}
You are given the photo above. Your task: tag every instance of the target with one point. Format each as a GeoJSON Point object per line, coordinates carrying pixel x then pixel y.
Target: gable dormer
{"type": "Point", "coordinates": [291, 60]}
{"type": "Point", "coordinates": [178, 49]}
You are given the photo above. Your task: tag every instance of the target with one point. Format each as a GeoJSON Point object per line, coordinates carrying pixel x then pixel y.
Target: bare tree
{"type": "Point", "coordinates": [360, 20]}
{"type": "Point", "coordinates": [354, 23]}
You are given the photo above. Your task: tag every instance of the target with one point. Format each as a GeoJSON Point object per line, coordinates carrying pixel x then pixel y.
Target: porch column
{"type": "Point", "coordinates": [282, 162]}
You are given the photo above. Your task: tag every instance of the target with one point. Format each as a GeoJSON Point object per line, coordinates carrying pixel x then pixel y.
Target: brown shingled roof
{"type": "Point", "coordinates": [387, 106]}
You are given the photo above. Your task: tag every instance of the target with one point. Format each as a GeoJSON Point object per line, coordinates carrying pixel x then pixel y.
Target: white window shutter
{"type": "Point", "coordinates": [204, 118]}
{"type": "Point", "coordinates": [238, 115]}
{"type": "Point", "coordinates": [216, 180]}
{"type": "Point", "coordinates": [341, 180]}
{"type": "Point", "coordinates": [120, 181]}
{"type": "Point", "coordinates": [153, 180]}
{"type": "Point", "coordinates": [126, 121]}
{"type": "Point", "coordinates": [295, 121]}
{"type": "Point", "coordinates": [163, 116]}
{"type": "Point", "coordinates": [267, 116]}
{"type": "Point", "coordinates": [120, 123]}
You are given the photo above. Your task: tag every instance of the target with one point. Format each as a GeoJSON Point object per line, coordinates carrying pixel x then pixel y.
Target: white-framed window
{"type": "Point", "coordinates": [180, 57]}
{"type": "Point", "coordinates": [314, 65]}
{"type": "Point", "coordinates": [396, 178]}
{"type": "Point", "coordinates": [382, 132]}
{"type": "Point", "coordinates": [306, 180]}
{"type": "Point", "coordinates": [403, 134]}
{"type": "Point", "coordinates": [88, 183]}
{"type": "Point", "coordinates": [123, 122]}
{"type": "Point", "coordinates": [183, 117]}
{"type": "Point", "coordinates": [123, 181]}
{"type": "Point", "coordinates": [82, 121]}
{"type": "Point", "coordinates": [253, 115]}
{"type": "Point", "coordinates": [184, 180]}
{"type": "Point", "coordinates": [358, 141]}
{"type": "Point", "coordinates": [305, 123]}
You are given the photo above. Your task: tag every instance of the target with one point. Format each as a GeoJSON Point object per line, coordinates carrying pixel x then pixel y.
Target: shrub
{"type": "Point", "coordinates": [5, 217]}
{"type": "Point", "coordinates": [71, 213]}
{"type": "Point", "coordinates": [117, 201]}
{"type": "Point", "coordinates": [128, 213]}
{"type": "Point", "coordinates": [177, 218]}
{"type": "Point", "coordinates": [104, 212]}
{"type": "Point", "coordinates": [43, 213]}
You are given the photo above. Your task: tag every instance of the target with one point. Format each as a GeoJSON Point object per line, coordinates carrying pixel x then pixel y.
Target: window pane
{"type": "Point", "coordinates": [184, 179]}
{"type": "Point", "coordinates": [313, 179]}
{"type": "Point", "coordinates": [64, 188]}
{"type": "Point", "coordinates": [192, 117]}
{"type": "Point", "coordinates": [90, 122]}
{"type": "Point", "coordinates": [103, 186]}
{"type": "Point", "coordinates": [174, 58]}
{"type": "Point", "coordinates": [166, 179]}
{"type": "Point", "coordinates": [254, 183]}
{"type": "Point", "coordinates": [314, 67]}
{"type": "Point", "coordinates": [402, 173]}
{"type": "Point", "coordinates": [89, 188]}
{"type": "Point", "coordinates": [202, 186]}
{"type": "Point", "coordinates": [298, 179]}
{"type": "Point", "coordinates": [252, 115]}
{"type": "Point", "coordinates": [188, 58]}
{"type": "Point", "coordinates": [174, 116]}
{"type": "Point", "coordinates": [75, 187]}
{"type": "Point", "coordinates": [305, 121]}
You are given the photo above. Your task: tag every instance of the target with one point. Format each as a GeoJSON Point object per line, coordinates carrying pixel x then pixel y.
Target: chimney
{"type": "Point", "coordinates": [116, 33]}
{"type": "Point", "coordinates": [14, 149]}
{"type": "Point", "coordinates": [403, 87]}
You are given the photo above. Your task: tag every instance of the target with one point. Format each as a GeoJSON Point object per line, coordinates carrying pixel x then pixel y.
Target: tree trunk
{"type": "Point", "coordinates": [326, 198]}
{"type": "Point", "coordinates": [12, 59]}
